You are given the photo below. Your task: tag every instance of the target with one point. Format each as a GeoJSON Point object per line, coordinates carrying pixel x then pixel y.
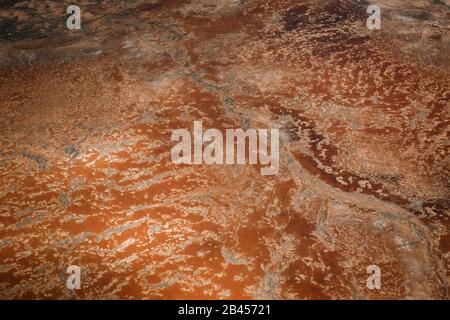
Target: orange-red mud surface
{"type": "Point", "coordinates": [86, 176]}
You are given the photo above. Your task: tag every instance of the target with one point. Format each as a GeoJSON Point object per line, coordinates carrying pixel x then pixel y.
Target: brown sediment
{"type": "Point", "coordinates": [86, 175]}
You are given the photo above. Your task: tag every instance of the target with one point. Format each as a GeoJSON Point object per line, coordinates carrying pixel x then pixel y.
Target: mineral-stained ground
{"type": "Point", "coordinates": [86, 176]}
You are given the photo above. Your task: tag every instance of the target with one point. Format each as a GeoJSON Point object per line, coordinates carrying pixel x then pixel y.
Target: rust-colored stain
{"type": "Point", "coordinates": [86, 176]}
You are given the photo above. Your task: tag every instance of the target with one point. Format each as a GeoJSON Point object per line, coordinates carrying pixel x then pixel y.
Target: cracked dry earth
{"type": "Point", "coordinates": [86, 176]}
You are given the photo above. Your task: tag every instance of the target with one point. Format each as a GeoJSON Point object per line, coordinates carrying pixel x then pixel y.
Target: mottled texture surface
{"type": "Point", "coordinates": [85, 171]}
